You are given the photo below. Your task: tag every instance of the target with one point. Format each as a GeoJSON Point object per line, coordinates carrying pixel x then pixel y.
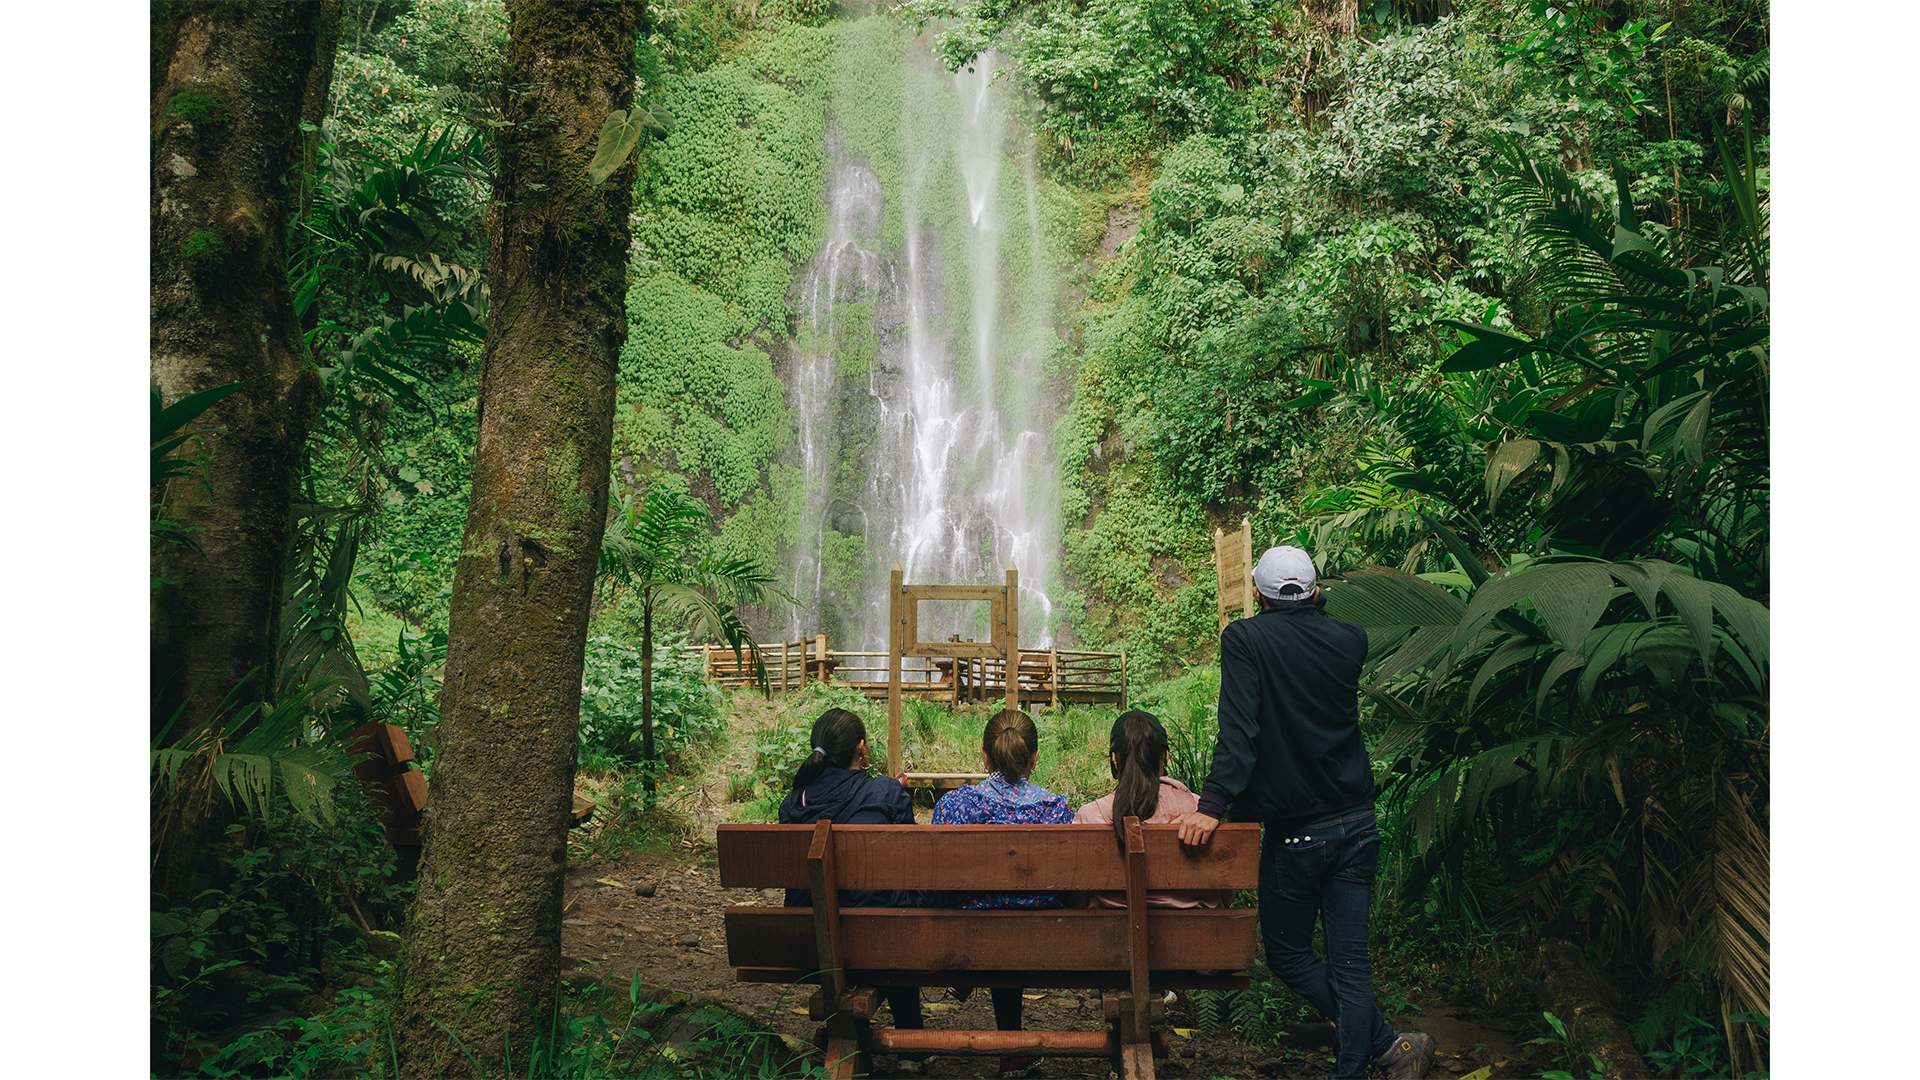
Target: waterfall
{"type": "Point", "coordinates": [915, 378]}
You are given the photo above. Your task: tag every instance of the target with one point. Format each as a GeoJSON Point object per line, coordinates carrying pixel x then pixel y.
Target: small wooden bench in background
{"type": "Point", "coordinates": [1133, 953]}
{"type": "Point", "coordinates": [398, 789]}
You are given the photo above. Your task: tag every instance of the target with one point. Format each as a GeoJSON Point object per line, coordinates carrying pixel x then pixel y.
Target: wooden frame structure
{"type": "Point", "coordinates": [1233, 570]}
{"type": "Point", "coordinates": [1003, 621]}
{"type": "Point", "coordinates": [1134, 953]}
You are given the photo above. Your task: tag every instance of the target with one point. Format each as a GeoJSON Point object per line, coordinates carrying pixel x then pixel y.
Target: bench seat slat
{"type": "Point", "coordinates": [937, 941]}
{"type": "Point", "coordinates": [986, 857]}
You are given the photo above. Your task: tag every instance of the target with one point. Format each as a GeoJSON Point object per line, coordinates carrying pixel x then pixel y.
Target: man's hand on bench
{"type": "Point", "coordinates": [1197, 828]}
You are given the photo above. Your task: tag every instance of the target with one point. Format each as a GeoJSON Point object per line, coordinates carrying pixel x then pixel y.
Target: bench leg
{"type": "Point", "coordinates": [849, 1034]}
{"type": "Point", "coordinates": [1136, 1046]}
{"type": "Point", "coordinates": [843, 1058]}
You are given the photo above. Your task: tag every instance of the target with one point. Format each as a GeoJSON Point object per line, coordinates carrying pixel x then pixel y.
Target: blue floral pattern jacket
{"type": "Point", "coordinates": [997, 801]}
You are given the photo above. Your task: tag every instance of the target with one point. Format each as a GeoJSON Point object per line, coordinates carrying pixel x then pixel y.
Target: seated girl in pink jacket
{"type": "Point", "coordinates": [1137, 750]}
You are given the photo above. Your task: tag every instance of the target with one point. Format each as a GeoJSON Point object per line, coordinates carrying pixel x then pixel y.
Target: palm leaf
{"type": "Point", "coordinates": [1383, 596]}
{"type": "Point", "coordinates": [1570, 598]}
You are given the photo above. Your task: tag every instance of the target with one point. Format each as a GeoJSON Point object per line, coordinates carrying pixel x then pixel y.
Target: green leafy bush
{"type": "Point", "coordinates": [279, 924]}
{"type": "Point", "coordinates": [686, 704]}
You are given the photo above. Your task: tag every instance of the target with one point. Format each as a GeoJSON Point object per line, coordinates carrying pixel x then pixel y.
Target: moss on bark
{"type": "Point", "coordinates": [230, 81]}
{"type": "Point", "coordinates": [484, 938]}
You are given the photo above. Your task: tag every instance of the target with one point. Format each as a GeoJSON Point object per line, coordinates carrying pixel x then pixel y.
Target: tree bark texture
{"type": "Point", "coordinates": [483, 942]}
{"type": "Point", "coordinates": [231, 84]}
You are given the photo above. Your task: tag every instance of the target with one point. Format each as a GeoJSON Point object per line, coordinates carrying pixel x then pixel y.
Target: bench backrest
{"type": "Point", "coordinates": [990, 858]}
{"type": "Point", "coordinates": [1091, 948]}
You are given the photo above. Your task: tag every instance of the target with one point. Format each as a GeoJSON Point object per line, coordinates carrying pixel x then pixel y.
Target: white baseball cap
{"type": "Point", "coordinates": [1284, 573]}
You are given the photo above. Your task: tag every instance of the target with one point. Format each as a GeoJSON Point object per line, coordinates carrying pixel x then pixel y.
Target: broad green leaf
{"type": "Point", "coordinates": [1506, 463]}
{"type": "Point", "coordinates": [1514, 651]}
{"type": "Point", "coordinates": [247, 778]}
{"type": "Point", "coordinates": [308, 790]}
{"type": "Point", "coordinates": [1666, 651]}
{"type": "Point", "coordinates": [1565, 662]}
{"type": "Point", "coordinates": [1643, 577]}
{"type": "Point", "coordinates": [1665, 415]}
{"type": "Point", "coordinates": [1421, 647]}
{"type": "Point", "coordinates": [1382, 596]}
{"type": "Point", "coordinates": [1469, 562]}
{"type": "Point", "coordinates": [618, 136]}
{"type": "Point", "coordinates": [1729, 646]}
{"type": "Point", "coordinates": [1425, 810]}
{"type": "Point", "coordinates": [1604, 648]}
{"type": "Point", "coordinates": [168, 419]}
{"type": "Point", "coordinates": [1490, 348]}
{"type": "Point", "coordinates": [1489, 600]}
{"type": "Point", "coordinates": [1383, 641]}
{"type": "Point", "coordinates": [1690, 438]}
{"type": "Point", "coordinates": [1625, 240]}
{"type": "Point", "coordinates": [1694, 603]}
{"type": "Point", "coordinates": [1748, 618]}
{"type": "Point", "coordinates": [1571, 597]}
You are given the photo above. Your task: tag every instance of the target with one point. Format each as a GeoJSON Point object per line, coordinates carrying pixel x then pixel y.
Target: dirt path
{"type": "Point", "coordinates": [676, 940]}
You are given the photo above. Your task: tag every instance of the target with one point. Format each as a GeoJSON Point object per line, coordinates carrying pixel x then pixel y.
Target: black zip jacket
{"type": "Point", "coordinates": [851, 798]}
{"type": "Point", "coordinates": [1289, 749]}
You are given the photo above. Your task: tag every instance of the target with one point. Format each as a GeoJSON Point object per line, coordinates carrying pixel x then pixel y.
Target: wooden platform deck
{"type": "Point", "coordinates": [1049, 676]}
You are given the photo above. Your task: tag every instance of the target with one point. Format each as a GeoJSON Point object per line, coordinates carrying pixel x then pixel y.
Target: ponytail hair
{"type": "Point", "coordinates": [1010, 741]}
{"type": "Point", "coordinates": [836, 735]}
{"type": "Point", "coordinates": [1139, 748]}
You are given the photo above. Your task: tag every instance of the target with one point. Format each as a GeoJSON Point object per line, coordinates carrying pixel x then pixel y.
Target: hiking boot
{"type": "Point", "coordinates": [1018, 1066]}
{"type": "Point", "coordinates": [1410, 1057]}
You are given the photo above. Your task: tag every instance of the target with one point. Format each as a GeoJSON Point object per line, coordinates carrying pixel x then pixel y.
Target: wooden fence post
{"type": "Point", "coordinates": [1013, 638]}
{"type": "Point", "coordinates": [896, 623]}
{"type": "Point", "coordinates": [1053, 675]}
{"type": "Point", "coordinates": [1123, 680]}
{"type": "Point", "coordinates": [820, 655]}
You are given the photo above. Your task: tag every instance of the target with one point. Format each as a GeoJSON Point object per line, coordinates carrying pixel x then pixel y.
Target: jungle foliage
{"type": "Point", "coordinates": [1470, 298]}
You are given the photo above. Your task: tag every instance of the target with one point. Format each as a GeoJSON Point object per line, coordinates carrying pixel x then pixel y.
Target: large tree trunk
{"type": "Point", "coordinates": [485, 926]}
{"type": "Point", "coordinates": [231, 82]}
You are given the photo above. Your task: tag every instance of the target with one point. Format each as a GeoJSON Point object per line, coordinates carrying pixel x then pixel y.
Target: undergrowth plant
{"type": "Point", "coordinates": [1257, 1015]}
{"type": "Point", "coordinates": [589, 1035]}
{"type": "Point", "coordinates": [297, 906]}
{"type": "Point", "coordinates": [686, 707]}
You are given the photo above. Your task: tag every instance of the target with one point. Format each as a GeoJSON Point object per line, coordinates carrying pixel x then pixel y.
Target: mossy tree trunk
{"type": "Point", "coordinates": [231, 84]}
{"type": "Point", "coordinates": [483, 942]}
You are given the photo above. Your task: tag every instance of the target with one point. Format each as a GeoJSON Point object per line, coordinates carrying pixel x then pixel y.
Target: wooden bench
{"type": "Point", "coordinates": [1133, 954]}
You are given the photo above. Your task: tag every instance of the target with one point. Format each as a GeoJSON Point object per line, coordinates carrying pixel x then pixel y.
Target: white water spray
{"type": "Point", "coordinates": [946, 469]}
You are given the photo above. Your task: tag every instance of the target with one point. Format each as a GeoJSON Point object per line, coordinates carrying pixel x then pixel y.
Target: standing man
{"type": "Point", "coordinates": [1290, 755]}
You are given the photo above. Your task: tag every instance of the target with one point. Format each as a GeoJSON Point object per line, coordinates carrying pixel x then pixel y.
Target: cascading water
{"type": "Point", "coordinates": [915, 377]}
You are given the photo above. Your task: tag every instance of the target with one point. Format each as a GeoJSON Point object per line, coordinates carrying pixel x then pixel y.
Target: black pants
{"type": "Point", "coordinates": [905, 1003]}
{"type": "Point", "coordinates": [1006, 1007]}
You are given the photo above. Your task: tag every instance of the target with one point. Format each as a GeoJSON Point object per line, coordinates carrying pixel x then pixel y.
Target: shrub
{"type": "Point", "coordinates": [686, 706]}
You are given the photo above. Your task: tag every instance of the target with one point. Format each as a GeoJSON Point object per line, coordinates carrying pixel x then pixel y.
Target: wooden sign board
{"type": "Point", "coordinates": [1233, 570]}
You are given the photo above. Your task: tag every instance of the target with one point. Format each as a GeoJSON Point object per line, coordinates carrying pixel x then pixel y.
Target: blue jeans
{"type": "Point", "coordinates": [1328, 876]}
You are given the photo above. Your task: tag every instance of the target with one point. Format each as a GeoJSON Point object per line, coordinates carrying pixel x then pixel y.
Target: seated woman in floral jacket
{"type": "Point", "coordinates": [1010, 748]}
